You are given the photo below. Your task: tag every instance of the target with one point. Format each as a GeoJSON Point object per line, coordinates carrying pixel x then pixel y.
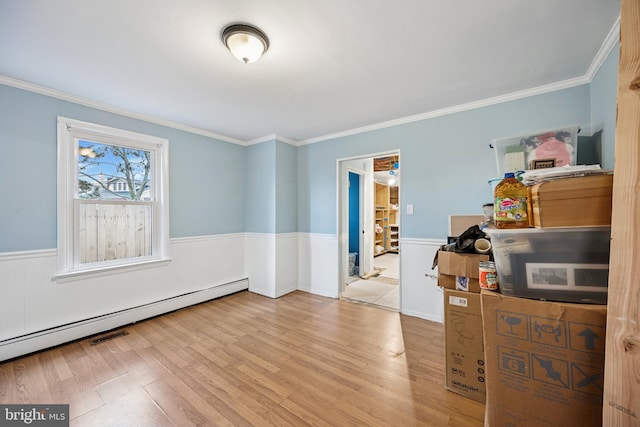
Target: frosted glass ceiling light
{"type": "Point", "coordinates": [245, 42]}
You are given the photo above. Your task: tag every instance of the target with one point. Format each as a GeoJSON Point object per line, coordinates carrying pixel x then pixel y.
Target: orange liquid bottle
{"type": "Point", "coordinates": [510, 203]}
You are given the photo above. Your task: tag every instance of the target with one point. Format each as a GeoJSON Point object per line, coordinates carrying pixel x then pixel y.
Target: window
{"type": "Point", "coordinates": [113, 210]}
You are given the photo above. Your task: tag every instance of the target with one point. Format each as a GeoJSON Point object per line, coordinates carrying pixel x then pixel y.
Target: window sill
{"type": "Point", "coordinates": [109, 270]}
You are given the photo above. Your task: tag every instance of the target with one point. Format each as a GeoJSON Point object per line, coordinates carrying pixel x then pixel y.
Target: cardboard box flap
{"type": "Point", "coordinates": [455, 264]}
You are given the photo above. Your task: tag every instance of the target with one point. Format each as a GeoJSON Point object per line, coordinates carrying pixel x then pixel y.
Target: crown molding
{"type": "Point", "coordinates": [289, 141]}
{"type": "Point", "coordinates": [273, 137]}
{"type": "Point", "coordinates": [455, 109]}
{"type": "Point", "coordinates": [42, 90]}
{"type": "Point", "coordinates": [260, 140]}
{"type": "Point", "coordinates": [605, 50]}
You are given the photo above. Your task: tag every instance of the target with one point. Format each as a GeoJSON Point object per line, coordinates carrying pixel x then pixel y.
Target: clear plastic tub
{"type": "Point", "coordinates": [558, 264]}
{"type": "Point", "coordinates": [556, 147]}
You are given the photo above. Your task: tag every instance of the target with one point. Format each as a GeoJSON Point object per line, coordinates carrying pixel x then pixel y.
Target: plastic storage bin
{"type": "Point", "coordinates": [558, 264]}
{"type": "Point", "coordinates": [353, 268]}
{"type": "Point", "coordinates": [557, 147]}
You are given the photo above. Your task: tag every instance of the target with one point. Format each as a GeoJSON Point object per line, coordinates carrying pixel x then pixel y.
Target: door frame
{"type": "Point", "coordinates": [343, 167]}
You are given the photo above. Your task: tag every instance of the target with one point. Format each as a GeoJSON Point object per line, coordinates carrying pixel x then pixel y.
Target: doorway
{"type": "Point", "coordinates": [369, 223]}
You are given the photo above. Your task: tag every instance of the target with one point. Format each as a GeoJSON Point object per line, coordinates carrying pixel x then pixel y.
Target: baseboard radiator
{"type": "Point", "coordinates": [29, 343]}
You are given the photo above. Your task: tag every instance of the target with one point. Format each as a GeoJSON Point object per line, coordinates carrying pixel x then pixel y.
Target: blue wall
{"type": "Point", "coordinates": [207, 179]}
{"type": "Point", "coordinates": [260, 188]}
{"type": "Point", "coordinates": [271, 190]}
{"type": "Point", "coordinates": [206, 176]}
{"type": "Point", "coordinates": [286, 188]}
{"type": "Point", "coordinates": [446, 161]}
{"type": "Point", "coordinates": [604, 96]}
{"type": "Point", "coordinates": [218, 187]}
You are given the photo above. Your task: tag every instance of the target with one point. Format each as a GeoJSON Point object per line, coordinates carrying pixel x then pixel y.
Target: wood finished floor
{"type": "Point", "coordinates": [246, 359]}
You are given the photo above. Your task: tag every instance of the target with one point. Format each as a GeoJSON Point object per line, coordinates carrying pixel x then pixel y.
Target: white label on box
{"type": "Point", "coordinates": [459, 301]}
{"type": "Point", "coordinates": [462, 283]}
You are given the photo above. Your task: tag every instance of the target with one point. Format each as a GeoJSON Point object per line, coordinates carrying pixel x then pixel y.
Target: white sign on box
{"type": "Point", "coordinates": [462, 283]}
{"type": "Point", "coordinates": [457, 301]}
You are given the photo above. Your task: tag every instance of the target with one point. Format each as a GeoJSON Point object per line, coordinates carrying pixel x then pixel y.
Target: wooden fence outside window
{"type": "Point", "coordinates": [114, 231]}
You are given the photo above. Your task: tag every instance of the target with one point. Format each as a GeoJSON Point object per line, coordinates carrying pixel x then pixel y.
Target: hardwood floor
{"type": "Point", "coordinates": [246, 359]}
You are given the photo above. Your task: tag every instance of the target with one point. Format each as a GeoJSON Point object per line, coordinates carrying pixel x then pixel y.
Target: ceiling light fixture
{"type": "Point", "coordinates": [246, 43]}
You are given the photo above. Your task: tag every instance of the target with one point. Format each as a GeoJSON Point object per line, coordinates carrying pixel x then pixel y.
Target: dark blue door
{"type": "Point", "coordinates": [354, 214]}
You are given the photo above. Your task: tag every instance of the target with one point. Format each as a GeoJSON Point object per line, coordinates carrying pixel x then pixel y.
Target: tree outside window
{"type": "Point", "coordinates": [112, 172]}
{"type": "Point", "coordinates": [112, 199]}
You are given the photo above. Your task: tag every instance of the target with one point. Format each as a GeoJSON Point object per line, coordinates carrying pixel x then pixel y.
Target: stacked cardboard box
{"type": "Point", "coordinates": [544, 362]}
{"type": "Point", "coordinates": [545, 359]}
{"type": "Point", "coordinates": [464, 344]}
{"type": "Point", "coordinates": [458, 274]}
{"type": "Point", "coordinates": [459, 271]}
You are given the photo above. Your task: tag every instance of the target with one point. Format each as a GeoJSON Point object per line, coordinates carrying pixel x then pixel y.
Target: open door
{"type": "Point", "coordinates": [376, 205]}
{"type": "Point", "coordinates": [355, 222]}
{"type": "Point", "coordinates": [363, 169]}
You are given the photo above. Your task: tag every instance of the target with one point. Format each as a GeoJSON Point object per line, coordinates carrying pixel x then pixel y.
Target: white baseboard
{"type": "Point", "coordinates": [270, 294]}
{"type": "Point", "coordinates": [422, 315]}
{"type": "Point", "coordinates": [282, 292]}
{"type": "Point", "coordinates": [318, 292]}
{"type": "Point", "coordinates": [51, 337]}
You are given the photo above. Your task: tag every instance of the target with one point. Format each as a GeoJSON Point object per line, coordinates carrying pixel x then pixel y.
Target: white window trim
{"type": "Point", "coordinates": [69, 130]}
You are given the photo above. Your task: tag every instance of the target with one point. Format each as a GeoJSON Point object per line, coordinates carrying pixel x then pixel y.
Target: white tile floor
{"type": "Point", "coordinates": [383, 290]}
{"type": "Point", "coordinates": [390, 264]}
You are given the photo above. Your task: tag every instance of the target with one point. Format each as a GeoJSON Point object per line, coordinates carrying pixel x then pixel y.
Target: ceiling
{"type": "Point", "coordinates": [333, 65]}
{"type": "Point", "coordinates": [386, 170]}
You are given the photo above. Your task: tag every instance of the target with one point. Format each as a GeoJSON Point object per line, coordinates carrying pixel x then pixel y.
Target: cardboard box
{"type": "Point", "coordinates": [571, 202]}
{"type": "Point", "coordinates": [544, 362]}
{"type": "Point", "coordinates": [459, 271]}
{"type": "Point", "coordinates": [458, 224]}
{"type": "Point", "coordinates": [463, 344]}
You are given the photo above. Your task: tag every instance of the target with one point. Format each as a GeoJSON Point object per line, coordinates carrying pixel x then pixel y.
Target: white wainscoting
{"type": "Point", "coordinates": [260, 255]}
{"type": "Point", "coordinates": [286, 263]}
{"type": "Point", "coordinates": [272, 263]}
{"type": "Point", "coordinates": [37, 312]}
{"type": "Point", "coordinates": [419, 293]}
{"type": "Point", "coordinates": [318, 264]}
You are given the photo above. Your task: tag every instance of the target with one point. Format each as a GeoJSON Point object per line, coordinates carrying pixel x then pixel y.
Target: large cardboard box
{"type": "Point", "coordinates": [544, 362]}
{"type": "Point", "coordinates": [459, 271]}
{"type": "Point", "coordinates": [463, 344]}
{"type": "Point", "coordinates": [571, 202]}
